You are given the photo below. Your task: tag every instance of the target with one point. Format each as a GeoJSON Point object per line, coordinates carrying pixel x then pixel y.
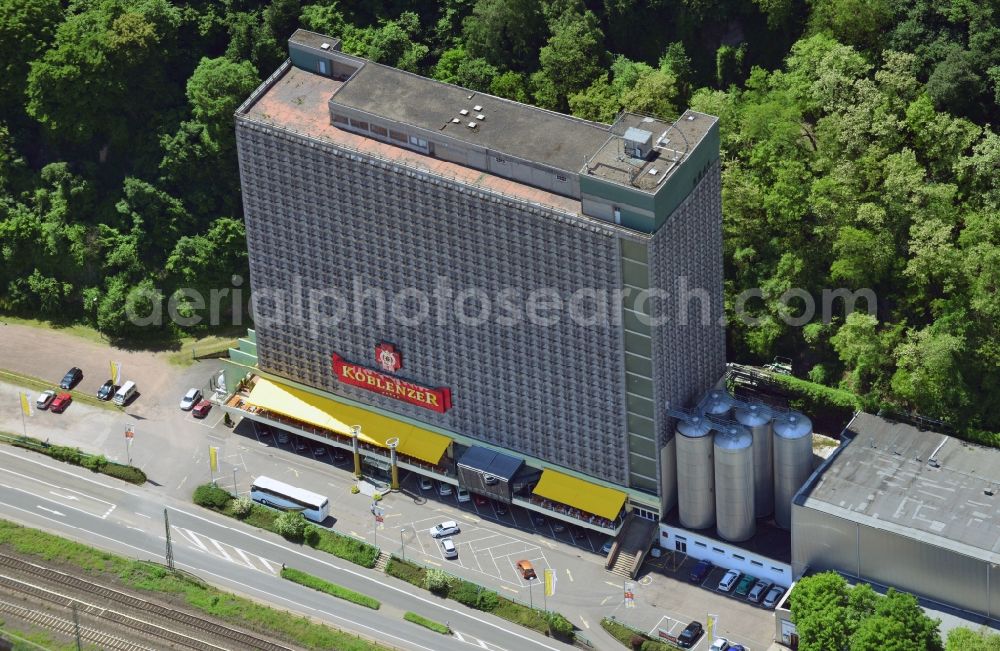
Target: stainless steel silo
{"type": "Point", "coordinates": [792, 462]}
{"type": "Point", "coordinates": [734, 484]}
{"type": "Point", "coordinates": [718, 403]}
{"type": "Point", "coordinates": [695, 473]}
{"type": "Point", "coordinates": [757, 419]}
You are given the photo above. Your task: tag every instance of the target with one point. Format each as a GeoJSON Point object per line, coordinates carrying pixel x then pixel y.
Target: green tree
{"type": "Point", "coordinates": [214, 90]}
{"type": "Point", "coordinates": [574, 55]}
{"type": "Point", "coordinates": [819, 607]}
{"type": "Point", "coordinates": [964, 639]}
{"type": "Point", "coordinates": [26, 29]}
{"type": "Point", "coordinates": [507, 33]}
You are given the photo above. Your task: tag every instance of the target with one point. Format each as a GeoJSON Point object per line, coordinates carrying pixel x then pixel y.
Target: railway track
{"type": "Point", "coordinates": [66, 627]}
{"type": "Point", "coordinates": [238, 639]}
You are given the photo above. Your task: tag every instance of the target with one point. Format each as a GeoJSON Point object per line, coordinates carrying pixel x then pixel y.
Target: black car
{"type": "Point", "coordinates": [700, 571]}
{"type": "Point", "coordinates": [107, 390]}
{"type": "Point", "coordinates": [689, 635]}
{"type": "Point", "coordinates": [72, 377]}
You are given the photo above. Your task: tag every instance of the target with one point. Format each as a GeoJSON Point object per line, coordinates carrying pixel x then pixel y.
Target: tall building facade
{"type": "Point", "coordinates": [503, 275]}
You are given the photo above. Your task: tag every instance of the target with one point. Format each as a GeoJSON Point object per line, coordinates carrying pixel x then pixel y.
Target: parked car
{"type": "Point", "coordinates": [339, 456]}
{"type": "Point", "coordinates": [489, 480]}
{"type": "Point", "coordinates": [758, 591]}
{"type": "Point", "coordinates": [558, 527]}
{"type": "Point", "coordinates": [501, 508]}
{"type": "Point", "coordinates": [201, 409]}
{"type": "Point", "coordinates": [606, 547]}
{"type": "Point", "coordinates": [480, 500]}
{"type": "Point", "coordinates": [319, 450]}
{"type": "Point", "coordinates": [60, 402]}
{"type": "Point", "coordinates": [700, 571]}
{"type": "Point", "coordinates": [463, 494]}
{"type": "Point", "coordinates": [190, 399]}
{"type": "Point", "coordinates": [125, 393]}
{"type": "Point", "coordinates": [448, 548]}
{"type": "Point", "coordinates": [728, 581]}
{"type": "Point", "coordinates": [444, 488]}
{"type": "Point", "coordinates": [538, 519]}
{"type": "Point", "coordinates": [743, 587]}
{"type": "Point", "coordinates": [45, 398]}
{"type": "Point", "coordinates": [578, 533]}
{"type": "Point", "coordinates": [282, 436]}
{"type": "Point", "coordinates": [107, 390]}
{"type": "Point", "coordinates": [447, 528]}
{"type": "Point", "coordinates": [527, 570]}
{"type": "Point", "coordinates": [690, 635]}
{"type": "Point", "coordinates": [72, 377]}
{"type": "Point", "coordinates": [300, 445]}
{"type": "Point", "coordinates": [720, 644]}
{"type": "Point", "coordinates": [426, 484]}
{"type": "Point", "coordinates": [773, 596]}
{"type": "Point", "coordinates": [738, 647]}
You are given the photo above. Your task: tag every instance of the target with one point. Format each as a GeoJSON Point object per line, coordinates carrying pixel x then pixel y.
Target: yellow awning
{"type": "Point", "coordinates": [580, 494]}
{"type": "Point", "coordinates": [332, 415]}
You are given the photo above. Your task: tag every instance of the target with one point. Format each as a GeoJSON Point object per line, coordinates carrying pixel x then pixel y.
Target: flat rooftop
{"type": "Point", "coordinates": [507, 127]}
{"type": "Point", "coordinates": [916, 483]}
{"type": "Point", "coordinates": [297, 102]}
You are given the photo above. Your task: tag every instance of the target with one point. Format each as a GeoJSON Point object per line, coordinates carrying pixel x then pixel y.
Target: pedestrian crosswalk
{"type": "Point", "coordinates": [227, 552]}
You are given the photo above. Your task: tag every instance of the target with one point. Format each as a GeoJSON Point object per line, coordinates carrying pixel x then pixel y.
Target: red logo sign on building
{"type": "Point", "coordinates": [436, 399]}
{"type": "Point", "coordinates": [388, 357]}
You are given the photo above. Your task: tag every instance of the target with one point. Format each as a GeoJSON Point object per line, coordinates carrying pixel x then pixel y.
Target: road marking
{"type": "Point", "coordinates": [223, 551]}
{"type": "Point", "coordinates": [52, 511]}
{"type": "Point", "coordinates": [143, 515]}
{"type": "Point", "coordinates": [295, 471]}
{"type": "Point", "coordinates": [135, 528]}
{"type": "Point", "coordinates": [569, 575]}
{"type": "Point", "coordinates": [585, 624]}
{"type": "Point", "coordinates": [605, 600]}
{"type": "Point", "coordinates": [511, 589]}
{"type": "Point", "coordinates": [65, 497]}
{"type": "Point", "coordinates": [343, 568]}
{"type": "Point", "coordinates": [182, 482]}
{"type": "Point", "coordinates": [613, 585]}
{"type": "Point", "coordinates": [245, 558]}
{"type": "Point", "coordinates": [192, 537]}
{"type": "Point", "coordinates": [433, 562]}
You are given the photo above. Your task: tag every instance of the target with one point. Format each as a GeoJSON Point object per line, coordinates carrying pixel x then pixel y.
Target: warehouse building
{"type": "Point", "coordinates": [371, 193]}
{"type": "Point", "coordinates": [905, 508]}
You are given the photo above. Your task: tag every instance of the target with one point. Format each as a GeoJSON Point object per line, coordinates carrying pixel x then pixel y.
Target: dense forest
{"type": "Point", "coordinates": [857, 145]}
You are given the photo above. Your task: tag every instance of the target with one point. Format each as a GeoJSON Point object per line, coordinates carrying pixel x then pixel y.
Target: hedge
{"type": "Point", "coordinates": [626, 635]}
{"type": "Point", "coordinates": [484, 599]}
{"type": "Point", "coordinates": [75, 456]}
{"type": "Point", "coordinates": [426, 623]}
{"type": "Point", "coordinates": [316, 583]}
{"type": "Point", "coordinates": [350, 549]}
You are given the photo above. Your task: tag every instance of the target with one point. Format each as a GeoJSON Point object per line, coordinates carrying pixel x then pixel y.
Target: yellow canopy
{"type": "Point", "coordinates": [580, 494]}
{"type": "Point", "coordinates": [338, 417]}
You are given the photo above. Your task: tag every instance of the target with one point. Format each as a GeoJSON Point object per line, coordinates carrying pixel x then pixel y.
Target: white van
{"type": "Point", "coordinates": [125, 393]}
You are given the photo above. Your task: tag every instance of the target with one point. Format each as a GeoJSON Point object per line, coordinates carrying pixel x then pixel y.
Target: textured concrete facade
{"type": "Point", "coordinates": [344, 234]}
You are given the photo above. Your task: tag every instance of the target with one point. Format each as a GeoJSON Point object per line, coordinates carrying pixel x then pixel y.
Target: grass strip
{"type": "Point", "coordinates": [152, 578]}
{"type": "Point", "coordinates": [633, 638]}
{"type": "Point", "coordinates": [322, 585]}
{"type": "Point", "coordinates": [345, 547]}
{"type": "Point", "coordinates": [426, 623]}
{"type": "Point", "coordinates": [76, 457]}
{"type": "Point", "coordinates": [40, 385]}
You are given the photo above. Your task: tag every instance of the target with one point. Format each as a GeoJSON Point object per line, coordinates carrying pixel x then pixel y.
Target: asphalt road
{"type": "Point", "coordinates": [41, 493]}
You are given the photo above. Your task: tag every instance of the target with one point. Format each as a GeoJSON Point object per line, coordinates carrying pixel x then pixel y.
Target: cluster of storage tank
{"type": "Point", "coordinates": [737, 462]}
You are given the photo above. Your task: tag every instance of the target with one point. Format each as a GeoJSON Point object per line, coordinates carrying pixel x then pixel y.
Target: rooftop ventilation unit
{"type": "Point", "coordinates": [464, 112]}
{"type": "Point", "coordinates": [653, 172]}
{"type": "Point", "coordinates": [455, 120]}
{"type": "Point", "coordinates": [638, 142]}
{"type": "Point", "coordinates": [471, 125]}
{"type": "Point", "coordinates": [690, 118]}
{"type": "Point", "coordinates": [325, 46]}
{"type": "Point", "coordinates": [480, 116]}
{"type": "Point", "coordinates": [477, 107]}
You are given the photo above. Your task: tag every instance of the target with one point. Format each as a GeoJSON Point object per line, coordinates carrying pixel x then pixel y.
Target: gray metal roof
{"type": "Point", "coordinates": [507, 127]}
{"type": "Point", "coordinates": [491, 462]}
{"type": "Point", "coordinates": [922, 485]}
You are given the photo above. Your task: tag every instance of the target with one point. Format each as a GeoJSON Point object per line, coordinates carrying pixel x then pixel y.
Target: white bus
{"type": "Point", "coordinates": [271, 492]}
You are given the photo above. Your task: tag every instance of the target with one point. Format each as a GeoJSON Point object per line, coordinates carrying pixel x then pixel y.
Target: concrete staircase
{"type": "Point", "coordinates": [382, 560]}
{"type": "Point", "coordinates": [630, 548]}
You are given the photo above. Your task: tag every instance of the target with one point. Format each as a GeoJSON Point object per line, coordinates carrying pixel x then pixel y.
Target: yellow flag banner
{"type": "Point", "coordinates": [213, 459]}
{"type": "Point", "coordinates": [550, 582]}
{"type": "Point", "coordinates": [25, 404]}
{"type": "Point", "coordinates": [710, 624]}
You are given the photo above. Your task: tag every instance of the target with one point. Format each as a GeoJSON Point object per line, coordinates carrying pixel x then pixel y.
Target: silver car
{"type": "Point", "coordinates": [442, 529]}
{"type": "Point", "coordinates": [773, 597]}
{"type": "Point", "coordinates": [758, 591]}
{"type": "Point", "coordinates": [190, 399]}
{"type": "Point", "coordinates": [728, 581]}
{"type": "Point", "coordinates": [448, 548]}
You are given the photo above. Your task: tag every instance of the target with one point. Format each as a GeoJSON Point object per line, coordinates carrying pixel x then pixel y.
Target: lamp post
{"type": "Point", "coordinates": [355, 433]}
{"type": "Point", "coordinates": [236, 488]}
{"type": "Point", "coordinates": [392, 444]}
{"type": "Point", "coordinates": [402, 542]}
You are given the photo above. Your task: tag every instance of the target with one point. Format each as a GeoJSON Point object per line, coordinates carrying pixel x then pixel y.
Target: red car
{"type": "Point", "coordinates": [60, 402]}
{"type": "Point", "coordinates": [479, 499]}
{"type": "Point", "coordinates": [201, 409]}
